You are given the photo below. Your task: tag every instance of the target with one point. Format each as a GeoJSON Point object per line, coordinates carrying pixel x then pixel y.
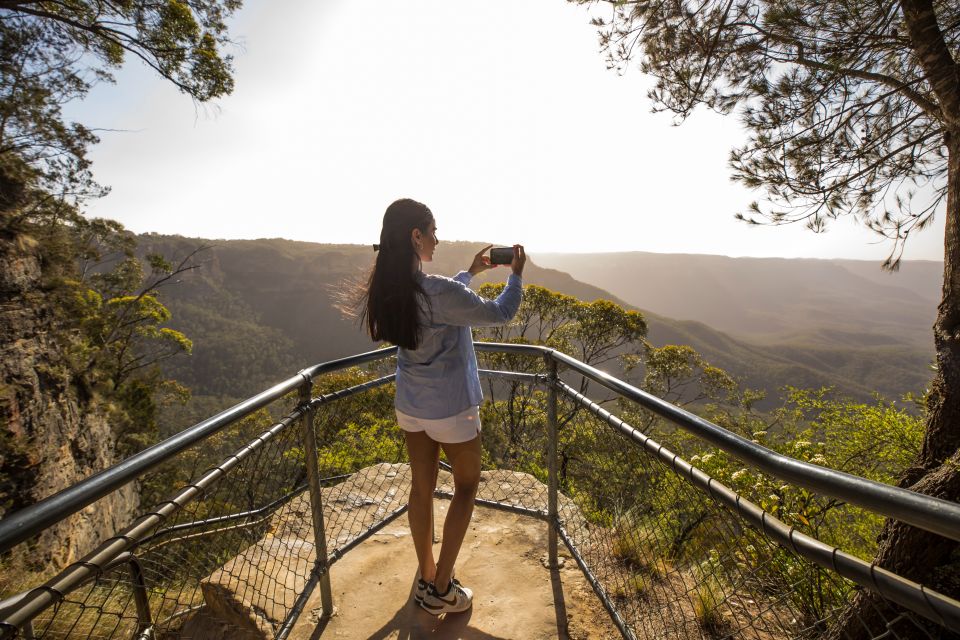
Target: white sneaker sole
{"type": "Point", "coordinates": [444, 606]}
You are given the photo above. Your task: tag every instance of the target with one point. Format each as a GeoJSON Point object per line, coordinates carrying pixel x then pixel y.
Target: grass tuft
{"type": "Point", "coordinates": [706, 608]}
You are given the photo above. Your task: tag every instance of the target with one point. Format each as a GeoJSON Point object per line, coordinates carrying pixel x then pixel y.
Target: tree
{"type": "Point", "coordinates": [100, 324]}
{"type": "Point", "coordinates": [52, 52]}
{"type": "Point", "coordinates": [852, 109]}
{"type": "Point", "coordinates": [596, 333]}
{"type": "Point", "coordinates": [110, 321]}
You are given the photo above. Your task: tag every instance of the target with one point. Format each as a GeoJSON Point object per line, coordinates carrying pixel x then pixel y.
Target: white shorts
{"type": "Point", "coordinates": [461, 427]}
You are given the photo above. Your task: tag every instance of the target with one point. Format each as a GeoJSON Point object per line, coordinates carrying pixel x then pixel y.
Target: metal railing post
{"type": "Point", "coordinates": [552, 481]}
{"type": "Point", "coordinates": [142, 600]}
{"type": "Point", "coordinates": [322, 564]}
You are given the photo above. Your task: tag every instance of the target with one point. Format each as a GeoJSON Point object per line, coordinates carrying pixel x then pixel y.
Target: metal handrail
{"type": "Point", "coordinates": [29, 521]}
{"type": "Point", "coordinates": [931, 514]}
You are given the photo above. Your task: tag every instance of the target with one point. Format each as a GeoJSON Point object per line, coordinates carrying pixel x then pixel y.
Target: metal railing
{"type": "Point", "coordinates": [670, 551]}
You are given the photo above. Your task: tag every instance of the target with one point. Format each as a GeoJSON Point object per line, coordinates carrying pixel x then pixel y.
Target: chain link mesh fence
{"type": "Point", "coordinates": [219, 500]}
{"type": "Point", "coordinates": [675, 562]}
{"type": "Point", "coordinates": [235, 547]}
{"type": "Point", "coordinates": [229, 546]}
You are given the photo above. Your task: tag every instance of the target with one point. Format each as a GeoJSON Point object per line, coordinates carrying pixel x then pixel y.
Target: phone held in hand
{"type": "Point", "coordinates": [501, 255]}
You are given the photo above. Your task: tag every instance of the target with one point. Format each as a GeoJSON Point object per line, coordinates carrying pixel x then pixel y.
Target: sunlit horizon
{"type": "Point", "coordinates": [507, 125]}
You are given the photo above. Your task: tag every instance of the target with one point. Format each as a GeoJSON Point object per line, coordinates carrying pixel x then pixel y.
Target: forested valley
{"type": "Point", "coordinates": [259, 310]}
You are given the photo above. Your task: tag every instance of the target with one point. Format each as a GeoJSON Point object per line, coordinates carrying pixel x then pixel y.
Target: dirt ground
{"type": "Point", "coordinates": [503, 559]}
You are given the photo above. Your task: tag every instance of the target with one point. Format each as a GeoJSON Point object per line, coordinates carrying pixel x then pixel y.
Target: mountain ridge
{"type": "Point", "coordinates": [259, 310]}
{"type": "Point", "coordinates": [774, 300]}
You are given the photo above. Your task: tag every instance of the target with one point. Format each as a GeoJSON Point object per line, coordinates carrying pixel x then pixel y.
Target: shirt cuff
{"type": "Point", "coordinates": [514, 279]}
{"type": "Point", "coordinates": [464, 276]}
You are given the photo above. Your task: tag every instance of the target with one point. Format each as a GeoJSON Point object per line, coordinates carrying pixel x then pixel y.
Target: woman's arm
{"type": "Point", "coordinates": [459, 305]}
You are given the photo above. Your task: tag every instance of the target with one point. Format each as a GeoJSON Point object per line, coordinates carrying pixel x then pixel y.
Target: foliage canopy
{"type": "Point", "coordinates": [840, 100]}
{"type": "Point", "coordinates": [52, 52]}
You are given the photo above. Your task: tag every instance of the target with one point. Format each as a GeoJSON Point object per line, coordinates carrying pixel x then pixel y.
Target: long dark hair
{"type": "Point", "coordinates": [393, 294]}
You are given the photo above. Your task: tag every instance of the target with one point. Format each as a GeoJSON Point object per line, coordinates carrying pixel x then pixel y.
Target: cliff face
{"type": "Point", "coordinates": [51, 436]}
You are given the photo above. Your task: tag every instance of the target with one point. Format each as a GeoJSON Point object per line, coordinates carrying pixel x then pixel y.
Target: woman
{"type": "Point", "coordinates": [438, 388]}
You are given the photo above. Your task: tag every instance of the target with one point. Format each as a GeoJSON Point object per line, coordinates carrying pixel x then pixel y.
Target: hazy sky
{"type": "Point", "coordinates": [501, 117]}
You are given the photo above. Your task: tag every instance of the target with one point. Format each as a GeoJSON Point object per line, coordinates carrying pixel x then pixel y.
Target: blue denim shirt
{"type": "Point", "coordinates": [439, 378]}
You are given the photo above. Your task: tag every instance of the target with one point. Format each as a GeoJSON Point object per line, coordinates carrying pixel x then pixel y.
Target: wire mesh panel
{"type": "Point", "coordinates": [363, 462]}
{"type": "Point", "coordinates": [227, 554]}
{"type": "Point", "coordinates": [671, 560]}
{"type": "Point", "coordinates": [104, 608]}
{"type": "Point", "coordinates": [230, 490]}
{"type": "Point", "coordinates": [674, 562]}
{"type": "Point", "coordinates": [514, 437]}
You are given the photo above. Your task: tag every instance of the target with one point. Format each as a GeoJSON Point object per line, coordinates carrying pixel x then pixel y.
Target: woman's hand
{"type": "Point", "coordinates": [481, 262]}
{"type": "Point", "coordinates": [519, 259]}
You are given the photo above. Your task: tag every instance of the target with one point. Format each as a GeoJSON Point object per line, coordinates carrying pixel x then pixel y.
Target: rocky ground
{"type": "Point", "coordinates": [503, 559]}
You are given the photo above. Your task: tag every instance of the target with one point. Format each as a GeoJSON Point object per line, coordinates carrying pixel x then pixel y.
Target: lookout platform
{"type": "Point", "coordinates": [503, 559]}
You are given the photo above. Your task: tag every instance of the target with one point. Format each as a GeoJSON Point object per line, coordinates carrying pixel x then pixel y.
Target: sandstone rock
{"type": "Point", "coordinates": [255, 590]}
{"type": "Point", "coordinates": [207, 626]}
{"type": "Point", "coordinates": [52, 438]}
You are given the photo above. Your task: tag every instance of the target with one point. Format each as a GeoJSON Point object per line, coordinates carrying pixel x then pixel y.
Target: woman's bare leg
{"type": "Point", "coordinates": [424, 465]}
{"type": "Point", "coordinates": [464, 457]}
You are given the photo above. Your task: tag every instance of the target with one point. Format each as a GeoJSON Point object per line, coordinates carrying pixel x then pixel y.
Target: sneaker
{"type": "Point", "coordinates": [457, 598]}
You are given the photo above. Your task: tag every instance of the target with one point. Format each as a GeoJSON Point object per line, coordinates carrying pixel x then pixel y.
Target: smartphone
{"type": "Point", "coordinates": [501, 255]}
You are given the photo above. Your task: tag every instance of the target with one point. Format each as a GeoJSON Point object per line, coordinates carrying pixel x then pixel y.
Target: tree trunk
{"type": "Point", "coordinates": [924, 557]}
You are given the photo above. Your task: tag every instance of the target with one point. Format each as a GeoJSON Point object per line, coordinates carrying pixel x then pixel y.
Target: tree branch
{"type": "Point", "coordinates": [118, 37]}
{"type": "Point", "coordinates": [800, 58]}
{"type": "Point", "coordinates": [934, 57]}
{"type": "Point", "coordinates": [930, 107]}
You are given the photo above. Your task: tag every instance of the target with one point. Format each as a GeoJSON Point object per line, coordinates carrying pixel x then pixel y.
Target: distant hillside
{"type": "Point", "coordinates": [259, 310]}
{"type": "Point", "coordinates": [827, 303]}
